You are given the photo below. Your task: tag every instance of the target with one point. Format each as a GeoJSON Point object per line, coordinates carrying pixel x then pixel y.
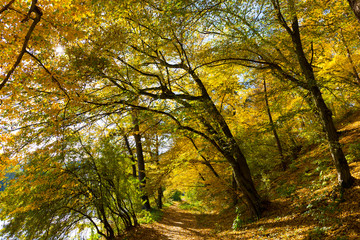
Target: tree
{"type": "Point", "coordinates": [38, 14]}
{"type": "Point", "coordinates": [278, 143]}
{"type": "Point", "coordinates": [165, 75]}
{"type": "Point", "coordinates": [344, 177]}
{"type": "Point", "coordinates": [258, 50]}
{"type": "Point", "coordinates": [140, 160]}
{"type": "Point", "coordinates": [191, 62]}
{"type": "Point", "coordinates": [88, 186]}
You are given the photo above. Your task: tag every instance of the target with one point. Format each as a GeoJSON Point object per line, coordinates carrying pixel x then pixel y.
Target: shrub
{"type": "Point", "coordinates": [286, 190]}
{"type": "Point", "coordinates": [316, 234]}
{"type": "Point", "coordinates": [176, 196]}
{"type": "Point", "coordinates": [353, 152]}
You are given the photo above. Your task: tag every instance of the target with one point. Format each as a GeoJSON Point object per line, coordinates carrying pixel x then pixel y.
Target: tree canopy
{"type": "Point", "coordinates": [107, 104]}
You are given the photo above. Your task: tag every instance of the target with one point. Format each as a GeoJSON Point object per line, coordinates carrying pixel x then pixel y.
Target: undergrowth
{"type": "Point", "coordinates": [154, 215]}
{"type": "Point", "coordinates": [194, 206]}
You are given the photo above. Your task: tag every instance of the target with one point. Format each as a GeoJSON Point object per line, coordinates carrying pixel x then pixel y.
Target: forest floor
{"type": "Point", "coordinates": [305, 203]}
{"type": "Point", "coordinates": [176, 224]}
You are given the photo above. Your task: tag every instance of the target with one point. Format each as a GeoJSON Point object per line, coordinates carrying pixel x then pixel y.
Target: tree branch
{"type": "Point", "coordinates": [48, 71]}
{"type": "Point", "coordinates": [280, 17]}
{"type": "Point", "coordinates": [36, 20]}
{"type": "Point", "coordinates": [6, 7]}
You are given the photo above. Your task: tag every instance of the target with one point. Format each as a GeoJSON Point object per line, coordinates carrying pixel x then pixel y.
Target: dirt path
{"type": "Point", "coordinates": [176, 224]}
{"type": "Point", "coordinates": [180, 224]}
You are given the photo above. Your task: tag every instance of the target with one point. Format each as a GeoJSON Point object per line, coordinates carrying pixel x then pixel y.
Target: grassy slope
{"type": "Point", "coordinates": [305, 201]}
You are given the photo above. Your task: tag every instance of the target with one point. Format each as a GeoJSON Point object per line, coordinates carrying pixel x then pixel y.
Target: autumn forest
{"type": "Point", "coordinates": [117, 115]}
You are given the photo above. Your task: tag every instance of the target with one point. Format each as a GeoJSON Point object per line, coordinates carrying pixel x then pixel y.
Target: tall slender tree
{"type": "Point", "coordinates": [273, 128]}
{"type": "Point", "coordinates": [256, 49]}
{"type": "Point", "coordinates": [344, 177]}
{"type": "Point", "coordinates": [140, 161]}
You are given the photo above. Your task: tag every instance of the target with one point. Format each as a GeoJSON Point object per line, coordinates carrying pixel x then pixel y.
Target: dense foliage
{"type": "Point", "coordinates": [106, 104]}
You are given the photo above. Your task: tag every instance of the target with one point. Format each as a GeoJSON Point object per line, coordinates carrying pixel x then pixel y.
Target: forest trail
{"type": "Point", "coordinates": [181, 224]}
{"type": "Point", "coordinates": [176, 224]}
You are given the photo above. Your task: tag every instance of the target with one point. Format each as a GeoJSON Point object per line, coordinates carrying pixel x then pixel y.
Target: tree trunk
{"type": "Point", "coordinates": [231, 151]}
{"type": "Point", "coordinates": [245, 183]}
{"type": "Point", "coordinates": [224, 141]}
{"type": "Point", "coordinates": [234, 193]}
{"type": "Point", "coordinates": [344, 177]}
{"type": "Point", "coordinates": [355, 6]}
{"type": "Point", "coordinates": [159, 202]}
{"type": "Point", "coordinates": [141, 162]}
{"type": "Point", "coordinates": [132, 156]}
{"type": "Point", "coordinates": [102, 215]}
{"type": "Point", "coordinates": [273, 128]}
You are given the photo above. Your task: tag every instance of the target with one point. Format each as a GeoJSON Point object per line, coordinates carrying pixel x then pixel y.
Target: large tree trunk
{"type": "Point", "coordinates": [246, 185]}
{"type": "Point", "coordinates": [355, 6]}
{"type": "Point", "coordinates": [233, 154]}
{"type": "Point", "coordinates": [344, 177]}
{"type": "Point", "coordinates": [159, 201]}
{"type": "Point", "coordinates": [141, 162]}
{"type": "Point", "coordinates": [225, 142]}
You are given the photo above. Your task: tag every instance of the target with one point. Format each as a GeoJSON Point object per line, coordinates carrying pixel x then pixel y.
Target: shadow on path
{"type": "Point", "coordinates": [177, 224]}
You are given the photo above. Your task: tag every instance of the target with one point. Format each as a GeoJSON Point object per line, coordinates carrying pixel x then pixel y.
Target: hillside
{"type": "Point", "coordinates": [305, 203]}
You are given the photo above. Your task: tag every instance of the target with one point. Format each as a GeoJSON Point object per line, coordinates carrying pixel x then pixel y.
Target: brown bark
{"type": "Point", "coordinates": [225, 142]}
{"type": "Point", "coordinates": [7, 6]}
{"type": "Point", "coordinates": [344, 176]}
{"type": "Point", "coordinates": [131, 155]}
{"type": "Point", "coordinates": [159, 202]}
{"type": "Point", "coordinates": [233, 154]}
{"type": "Point", "coordinates": [141, 162]}
{"type": "Point", "coordinates": [355, 6]}
{"type": "Point", "coordinates": [217, 130]}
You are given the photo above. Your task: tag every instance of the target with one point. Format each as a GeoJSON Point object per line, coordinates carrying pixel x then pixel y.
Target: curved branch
{"type": "Point", "coordinates": [284, 74]}
{"type": "Point", "coordinates": [190, 129]}
{"type": "Point", "coordinates": [36, 20]}
{"type": "Point", "coordinates": [232, 59]}
{"type": "Point", "coordinates": [138, 70]}
{"type": "Point", "coordinates": [89, 218]}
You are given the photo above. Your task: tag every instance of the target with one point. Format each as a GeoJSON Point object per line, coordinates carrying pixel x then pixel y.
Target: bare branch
{"type": "Point", "coordinates": [284, 74]}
